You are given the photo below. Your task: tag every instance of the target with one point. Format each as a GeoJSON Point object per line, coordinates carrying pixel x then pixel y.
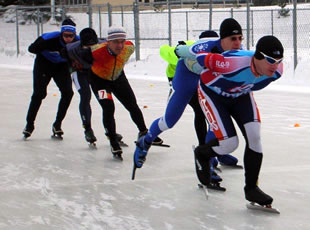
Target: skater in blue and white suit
{"type": "Point", "coordinates": [225, 93]}
{"type": "Point", "coordinates": [185, 82]}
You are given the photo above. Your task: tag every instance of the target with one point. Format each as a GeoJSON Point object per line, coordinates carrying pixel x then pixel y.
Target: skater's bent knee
{"type": "Point", "coordinates": [253, 135]}
{"type": "Point", "coordinates": [162, 124]}
{"type": "Point", "coordinates": [227, 146]}
{"type": "Point", "coordinates": [39, 95]}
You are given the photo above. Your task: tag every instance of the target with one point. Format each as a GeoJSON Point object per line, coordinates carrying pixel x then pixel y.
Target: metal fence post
{"type": "Point", "coordinates": [231, 12]}
{"type": "Point", "coordinates": [90, 14]}
{"type": "Point", "coordinates": [63, 13]}
{"type": "Point", "coordinates": [169, 23]}
{"type": "Point", "coordinates": [248, 24]}
{"type": "Point", "coordinates": [186, 16]}
{"type": "Point", "coordinates": [53, 11]}
{"type": "Point", "coordinates": [210, 14]}
{"type": "Point", "coordinates": [38, 26]}
{"type": "Point", "coordinates": [110, 14]}
{"type": "Point", "coordinates": [295, 33]}
{"type": "Point", "coordinates": [252, 25]}
{"type": "Point", "coordinates": [99, 19]}
{"type": "Point", "coordinates": [17, 32]}
{"type": "Point", "coordinates": [271, 22]}
{"type": "Point", "coordinates": [137, 30]}
{"type": "Point", "coordinates": [41, 21]}
{"type": "Point", "coordinates": [122, 14]}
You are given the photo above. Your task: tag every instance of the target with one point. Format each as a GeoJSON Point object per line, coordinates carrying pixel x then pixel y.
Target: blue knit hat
{"type": "Point", "coordinates": [68, 26]}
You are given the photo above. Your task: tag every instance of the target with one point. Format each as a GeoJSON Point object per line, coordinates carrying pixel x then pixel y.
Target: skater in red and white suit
{"type": "Point", "coordinates": [225, 92]}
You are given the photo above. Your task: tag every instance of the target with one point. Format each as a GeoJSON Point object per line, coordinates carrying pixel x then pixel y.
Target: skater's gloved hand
{"type": "Point", "coordinates": [64, 53]}
{"type": "Point", "coordinates": [180, 43]}
{"type": "Point", "coordinates": [216, 62]}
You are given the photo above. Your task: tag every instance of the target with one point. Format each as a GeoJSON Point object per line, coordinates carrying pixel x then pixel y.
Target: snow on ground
{"type": "Point", "coordinates": [151, 66]}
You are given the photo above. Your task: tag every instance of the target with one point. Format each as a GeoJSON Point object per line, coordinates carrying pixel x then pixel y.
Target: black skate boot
{"type": "Point", "coordinates": [202, 165]}
{"type": "Point", "coordinates": [204, 170]}
{"type": "Point", "coordinates": [256, 195]}
{"type": "Point", "coordinates": [119, 138]}
{"type": "Point", "coordinates": [115, 148]}
{"type": "Point", "coordinates": [28, 130]}
{"type": "Point", "coordinates": [57, 131]}
{"type": "Point", "coordinates": [90, 137]}
{"type": "Point", "coordinates": [157, 141]}
{"type": "Point", "coordinates": [259, 200]}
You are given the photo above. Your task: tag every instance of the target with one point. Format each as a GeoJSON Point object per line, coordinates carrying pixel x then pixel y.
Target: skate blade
{"type": "Point", "coordinates": [205, 189]}
{"type": "Point", "coordinates": [92, 145]}
{"type": "Point", "coordinates": [55, 137]}
{"type": "Point", "coordinates": [122, 144]}
{"type": "Point", "coordinates": [118, 156]}
{"type": "Point", "coordinates": [217, 169]}
{"type": "Point", "coordinates": [266, 208]}
{"type": "Point", "coordinates": [216, 186]}
{"type": "Point", "coordinates": [232, 166]}
{"type": "Point", "coordinates": [133, 175]}
{"type": "Point", "coordinates": [25, 138]}
{"type": "Point", "coordinates": [161, 145]}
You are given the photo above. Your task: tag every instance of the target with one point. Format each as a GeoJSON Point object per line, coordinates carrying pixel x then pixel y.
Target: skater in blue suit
{"type": "Point", "coordinates": [49, 64]}
{"type": "Point", "coordinates": [185, 82]}
{"type": "Point", "coordinates": [225, 93]}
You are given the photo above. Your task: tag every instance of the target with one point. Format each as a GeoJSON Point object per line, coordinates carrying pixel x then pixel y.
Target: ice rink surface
{"type": "Point", "coordinates": [64, 185]}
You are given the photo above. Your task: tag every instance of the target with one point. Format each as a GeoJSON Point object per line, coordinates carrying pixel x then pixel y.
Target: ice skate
{"type": "Point", "coordinates": [116, 149]}
{"type": "Point", "coordinates": [205, 172]}
{"type": "Point", "coordinates": [140, 153]}
{"type": "Point", "coordinates": [264, 208]}
{"type": "Point", "coordinates": [259, 200]}
{"type": "Point", "coordinates": [205, 189]}
{"type": "Point", "coordinates": [90, 137]}
{"type": "Point", "coordinates": [57, 132]}
{"type": "Point", "coordinates": [156, 142]}
{"type": "Point", "coordinates": [202, 166]}
{"type": "Point", "coordinates": [28, 131]}
{"type": "Point", "coordinates": [229, 161]}
{"type": "Point", "coordinates": [119, 138]}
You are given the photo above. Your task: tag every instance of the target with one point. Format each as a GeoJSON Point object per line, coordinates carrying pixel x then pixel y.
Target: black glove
{"type": "Point", "coordinates": [64, 53]}
{"type": "Point", "coordinates": [180, 43]}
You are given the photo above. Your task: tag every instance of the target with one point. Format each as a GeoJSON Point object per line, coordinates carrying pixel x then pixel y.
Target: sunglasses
{"type": "Point", "coordinates": [271, 60]}
{"type": "Point", "coordinates": [68, 35]}
{"type": "Point", "coordinates": [240, 38]}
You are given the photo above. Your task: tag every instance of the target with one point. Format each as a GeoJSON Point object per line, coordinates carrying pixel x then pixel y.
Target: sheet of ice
{"type": "Point", "coordinates": [48, 184]}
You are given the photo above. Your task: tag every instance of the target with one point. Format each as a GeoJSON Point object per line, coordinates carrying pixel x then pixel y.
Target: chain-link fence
{"type": "Point", "coordinates": [149, 27]}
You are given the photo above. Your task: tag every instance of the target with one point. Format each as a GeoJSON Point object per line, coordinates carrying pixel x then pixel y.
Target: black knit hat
{"type": "Point", "coordinates": [88, 37]}
{"type": "Point", "coordinates": [208, 34]}
{"type": "Point", "coordinates": [230, 27]}
{"type": "Point", "coordinates": [68, 26]}
{"type": "Point", "coordinates": [270, 46]}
